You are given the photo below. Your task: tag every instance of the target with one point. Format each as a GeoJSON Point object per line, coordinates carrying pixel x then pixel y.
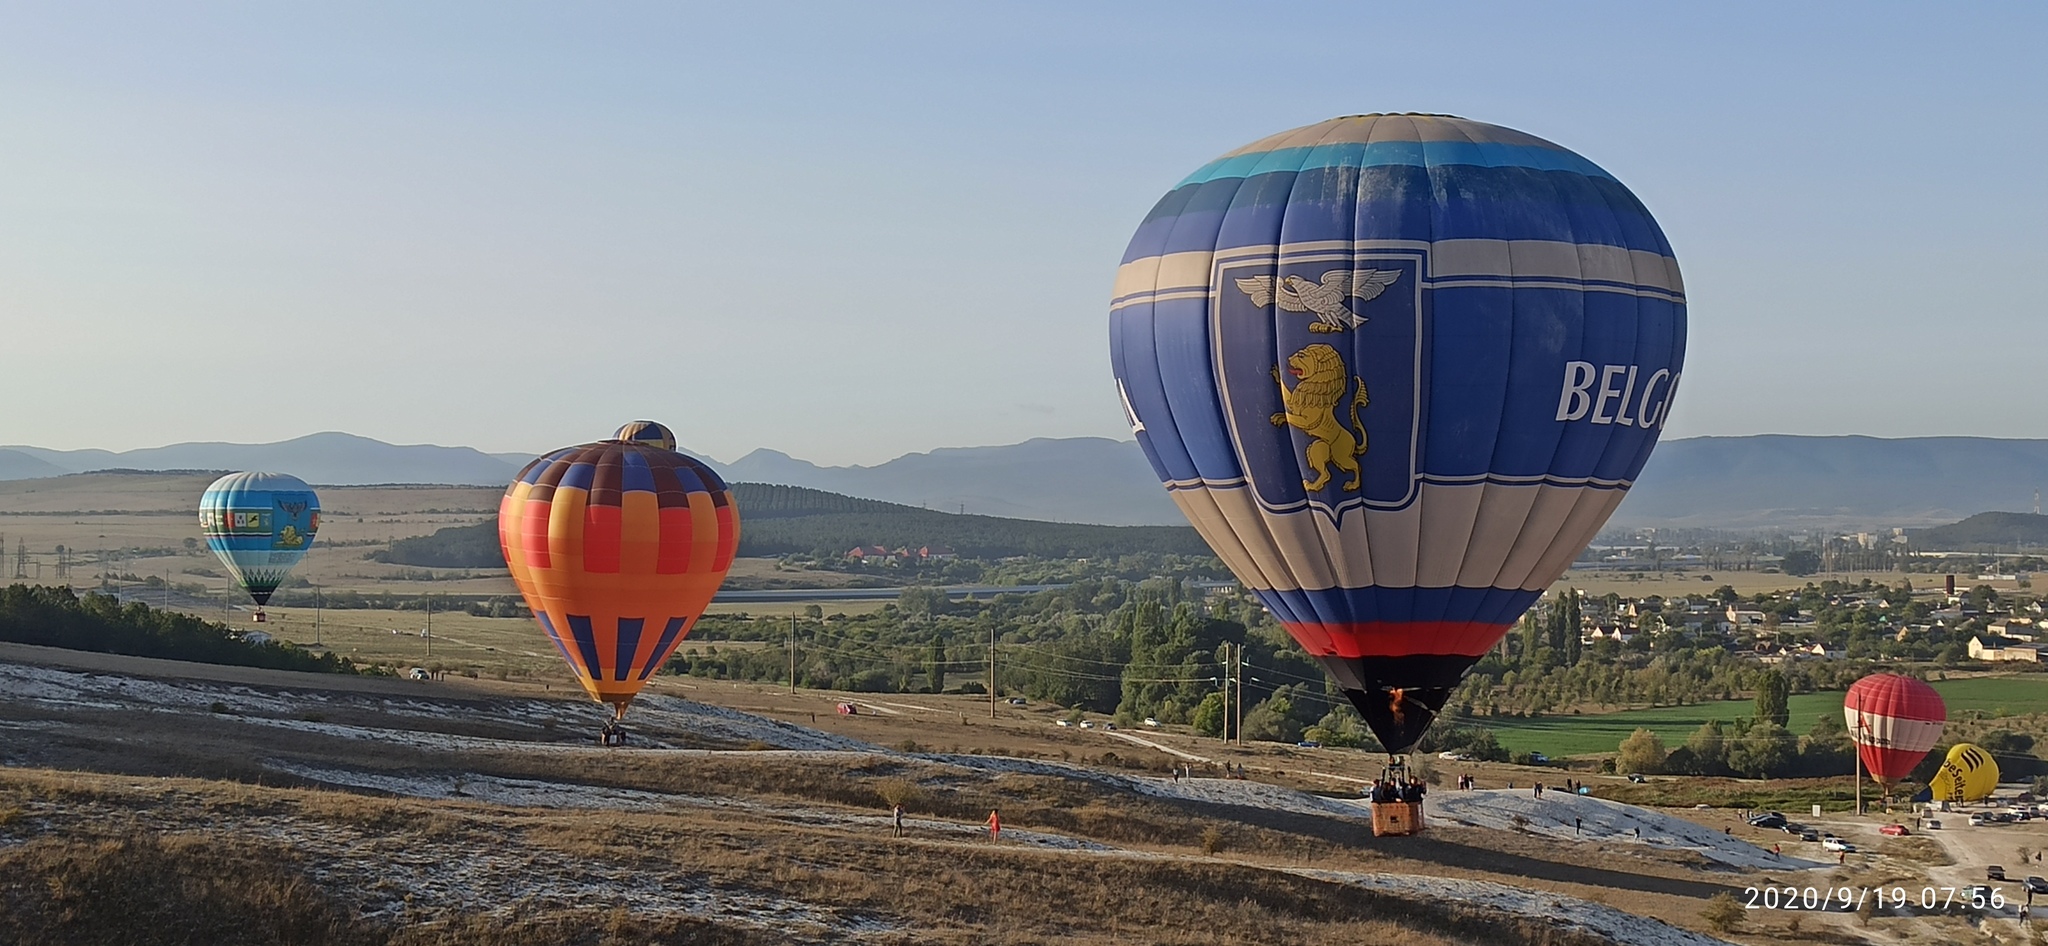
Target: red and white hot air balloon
{"type": "Point", "coordinates": [1894, 721]}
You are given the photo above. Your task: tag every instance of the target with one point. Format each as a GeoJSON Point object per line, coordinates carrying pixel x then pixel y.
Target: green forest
{"type": "Point", "coordinates": [1157, 649]}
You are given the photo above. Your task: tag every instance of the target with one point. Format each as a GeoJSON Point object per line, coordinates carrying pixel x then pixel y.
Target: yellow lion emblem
{"type": "Point", "coordinates": [1312, 409]}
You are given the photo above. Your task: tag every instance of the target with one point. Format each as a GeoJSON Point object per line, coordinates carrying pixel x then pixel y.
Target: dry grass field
{"type": "Point", "coordinates": [137, 524]}
{"type": "Point", "coordinates": [148, 801]}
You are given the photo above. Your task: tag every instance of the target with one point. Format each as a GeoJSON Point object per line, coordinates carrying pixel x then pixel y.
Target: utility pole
{"type": "Point", "coordinates": [430, 626]}
{"type": "Point", "coordinates": [1226, 691]}
{"type": "Point", "coordinates": [792, 655]}
{"type": "Point", "coordinates": [1240, 695]}
{"type": "Point", "coordinates": [317, 600]}
{"type": "Point", "coordinates": [991, 671]}
{"type": "Point", "coordinates": [1856, 744]}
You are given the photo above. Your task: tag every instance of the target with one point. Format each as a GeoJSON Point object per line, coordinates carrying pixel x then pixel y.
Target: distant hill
{"type": "Point", "coordinates": [327, 459]}
{"type": "Point", "coordinates": [18, 465]}
{"type": "Point", "coordinates": [1985, 531]}
{"type": "Point", "coordinates": [1076, 479]}
{"type": "Point", "coordinates": [1082, 479]}
{"type": "Point", "coordinates": [1769, 481]}
{"type": "Point", "coordinates": [780, 520]}
{"type": "Point", "coordinates": [1832, 482]}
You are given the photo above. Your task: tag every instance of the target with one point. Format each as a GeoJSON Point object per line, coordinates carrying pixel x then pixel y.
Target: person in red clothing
{"type": "Point", "coordinates": [995, 825]}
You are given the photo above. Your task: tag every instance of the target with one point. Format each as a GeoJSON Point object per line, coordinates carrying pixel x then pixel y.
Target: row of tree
{"type": "Point", "coordinates": [57, 617]}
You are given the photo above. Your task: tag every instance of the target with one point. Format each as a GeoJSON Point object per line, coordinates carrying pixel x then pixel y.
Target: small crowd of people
{"type": "Point", "coordinates": [1467, 782]}
{"type": "Point", "coordinates": [1396, 790]}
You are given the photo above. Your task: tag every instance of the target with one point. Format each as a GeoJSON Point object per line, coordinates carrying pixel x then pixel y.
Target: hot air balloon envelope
{"type": "Point", "coordinates": [1969, 773]}
{"type": "Point", "coordinates": [1398, 370]}
{"type": "Point", "coordinates": [617, 547]}
{"type": "Point", "coordinates": [260, 524]}
{"type": "Point", "coordinates": [1894, 720]}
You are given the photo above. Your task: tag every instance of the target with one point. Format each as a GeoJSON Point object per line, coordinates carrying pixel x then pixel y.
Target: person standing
{"type": "Point", "coordinates": [898, 814]}
{"type": "Point", "coordinates": [995, 825]}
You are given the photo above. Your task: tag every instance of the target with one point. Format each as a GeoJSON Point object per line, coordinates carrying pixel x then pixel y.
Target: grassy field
{"type": "Point", "coordinates": [1577, 735]}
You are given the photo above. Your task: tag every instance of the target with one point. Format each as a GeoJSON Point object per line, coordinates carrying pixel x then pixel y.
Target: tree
{"type": "Point", "coordinates": [1564, 627]}
{"type": "Point", "coordinates": [1272, 721]}
{"type": "Point", "coordinates": [1643, 752]}
{"type": "Point", "coordinates": [1709, 746]}
{"type": "Point", "coordinates": [1800, 562]}
{"type": "Point", "coordinates": [1774, 698]}
{"type": "Point", "coordinates": [1766, 750]}
{"type": "Point", "coordinates": [1209, 719]}
{"type": "Point", "coordinates": [935, 664]}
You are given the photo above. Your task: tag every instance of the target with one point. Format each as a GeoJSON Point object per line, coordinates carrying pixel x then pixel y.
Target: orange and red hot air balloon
{"type": "Point", "coordinates": [618, 547]}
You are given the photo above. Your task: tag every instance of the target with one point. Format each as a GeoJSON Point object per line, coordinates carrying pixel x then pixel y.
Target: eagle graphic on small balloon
{"type": "Point", "coordinates": [1326, 299]}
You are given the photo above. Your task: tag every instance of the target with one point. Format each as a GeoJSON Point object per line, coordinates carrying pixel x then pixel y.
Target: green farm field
{"type": "Point", "coordinates": [1578, 735]}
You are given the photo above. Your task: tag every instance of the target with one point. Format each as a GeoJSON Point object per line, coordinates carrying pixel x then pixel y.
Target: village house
{"type": "Point", "coordinates": [2000, 649]}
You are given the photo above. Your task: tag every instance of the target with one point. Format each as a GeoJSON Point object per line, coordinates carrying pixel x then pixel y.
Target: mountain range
{"type": "Point", "coordinates": [1763, 481]}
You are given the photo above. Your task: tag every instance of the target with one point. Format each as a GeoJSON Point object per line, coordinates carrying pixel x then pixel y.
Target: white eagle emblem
{"type": "Point", "coordinates": [1327, 299]}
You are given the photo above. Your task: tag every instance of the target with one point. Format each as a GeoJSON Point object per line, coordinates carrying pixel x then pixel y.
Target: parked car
{"type": "Point", "coordinates": [1539, 758]}
{"type": "Point", "coordinates": [1893, 830]}
{"type": "Point", "coordinates": [1794, 827]}
{"type": "Point", "coordinates": [1809, 835]}
{"type": "Point", "coordinates": [1454, 756]}
{"type": "Point", "coordinates": [1932, 824]}
{"type": "Point", "coordinates": [1061, 722]}
{"type": "Point", "coordinates": [1308, 744]}
{"type": "Point", "coordinates": [1977, 821]}
{"type": "Point", "coordinates": [848, 709]}
{"type": "Point", "coordinates": [1636, 778]}
{"type": "Point", "coordinates": [1994, 872]}
{"type": "Point", "coordinates": [1087, 724]}
{"type": "Point", "coordinates": [2036, 885]}
{"type": "Point", "coordinates": [1837, 844]}
{"type": "Point", "coordinates": [1770, 821]}
{"type": "Point", "coordinates": [1153, 723]}
{"type": "Point", "coordinates": [419, 673]}
{"type": "Point", "coordinates": [1019, 701]}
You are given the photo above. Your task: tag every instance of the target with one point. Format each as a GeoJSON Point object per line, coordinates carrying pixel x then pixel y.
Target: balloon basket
{"type": "Point", "coordinates": [612, 735]}
{"type": "Point", "coordinates": [261, 618]}
{"type": "Point", "coordinates": [1396, 818]}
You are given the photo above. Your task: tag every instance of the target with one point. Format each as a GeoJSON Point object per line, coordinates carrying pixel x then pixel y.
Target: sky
{"type": "Point", "coordinates": [852, 231]}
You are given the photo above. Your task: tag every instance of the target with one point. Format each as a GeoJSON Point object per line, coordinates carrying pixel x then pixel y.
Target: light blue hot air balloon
{"type": "Point", "coordinates": [1398, 370]}
{"type": "Point", "coordinates": [260, 524]}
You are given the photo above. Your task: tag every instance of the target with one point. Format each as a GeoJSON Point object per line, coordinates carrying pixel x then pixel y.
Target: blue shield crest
{"type": "Point", "coordinates": [1321, 362]}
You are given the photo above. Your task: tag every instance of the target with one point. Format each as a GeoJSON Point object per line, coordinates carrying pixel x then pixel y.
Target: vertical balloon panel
{"type": "Point", "coordinates": [1398, 370]}
{"type": "Point", "coordinates": [618, 547]}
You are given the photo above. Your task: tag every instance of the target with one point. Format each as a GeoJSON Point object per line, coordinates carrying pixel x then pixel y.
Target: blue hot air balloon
{"type": "Point", "coordinates": [1398, 370]}
{"type": "Point", "coordinates": [260, 524]}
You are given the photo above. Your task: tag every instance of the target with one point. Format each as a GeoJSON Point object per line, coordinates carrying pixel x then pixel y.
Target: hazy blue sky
{"type": "Point", "coordinates": [855, 230]}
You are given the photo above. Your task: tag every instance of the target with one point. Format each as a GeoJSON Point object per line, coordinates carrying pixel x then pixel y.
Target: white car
{"type": "Point", "coordinates": [1837, 844]}
{"type": "Point", "coordinates": [1087, 724]}
{"type": "Point", "coordinates": [1061, 722]}
{"type": "Point", "coordinates": [1149, 721]}
{"type": "Point", "coordinates": [1454, 756]}
{"type": "Point", "coordinates": [1977, 821]}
